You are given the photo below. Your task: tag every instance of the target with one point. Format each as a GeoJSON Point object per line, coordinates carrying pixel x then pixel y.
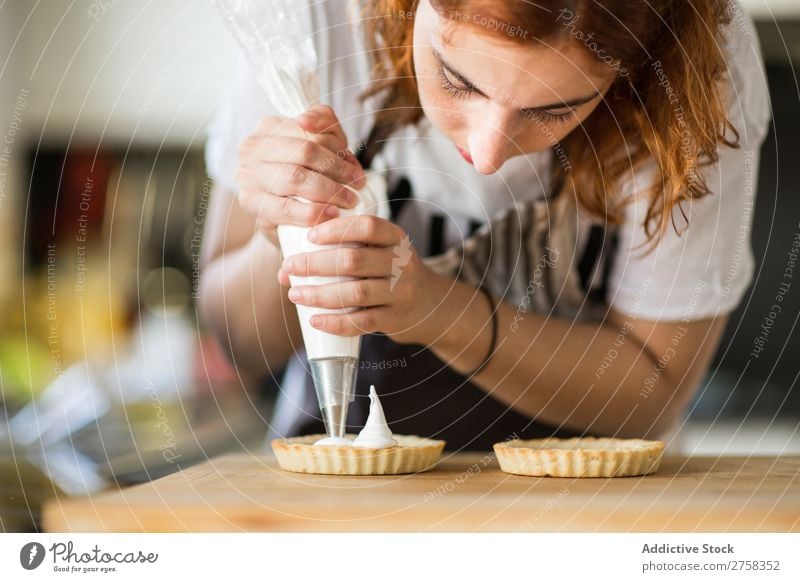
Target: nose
{"type": "Point", "coordinates": [491, 140]}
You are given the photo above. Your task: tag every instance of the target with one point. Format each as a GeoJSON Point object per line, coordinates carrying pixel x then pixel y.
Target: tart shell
{"type": "Point", "coordinates": [413, 454]}
{"type": "Point", "coordinates": [579, 457]}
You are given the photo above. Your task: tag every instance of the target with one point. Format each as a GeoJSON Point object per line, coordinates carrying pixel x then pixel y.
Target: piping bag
{"type": "Point", "coordinates": [285, 64]}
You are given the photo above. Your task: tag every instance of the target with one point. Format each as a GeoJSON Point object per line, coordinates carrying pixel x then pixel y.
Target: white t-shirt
{"type": "Point", "coordinates": [702, 273]}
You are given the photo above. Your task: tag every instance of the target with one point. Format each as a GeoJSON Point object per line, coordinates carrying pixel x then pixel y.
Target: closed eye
{"type": "Point", "coordinates": [464, 89]}
{"type": "Point", "coordinates": [452, 88]}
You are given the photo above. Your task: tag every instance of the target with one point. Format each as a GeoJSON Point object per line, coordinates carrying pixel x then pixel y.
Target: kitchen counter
{"type": "Point", "coordinates": [466, 492]}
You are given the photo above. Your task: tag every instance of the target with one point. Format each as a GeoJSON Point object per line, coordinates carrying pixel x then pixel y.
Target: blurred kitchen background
{"type": "Point", "coordinates": [107, 377]}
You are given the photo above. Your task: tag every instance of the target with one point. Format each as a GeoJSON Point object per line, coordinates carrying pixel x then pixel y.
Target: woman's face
{"type": "Point", "coordinates": [497, 99]}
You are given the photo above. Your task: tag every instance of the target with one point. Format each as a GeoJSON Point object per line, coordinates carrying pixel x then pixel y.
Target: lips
{"type": "Point", "coordinates": [465, 155]}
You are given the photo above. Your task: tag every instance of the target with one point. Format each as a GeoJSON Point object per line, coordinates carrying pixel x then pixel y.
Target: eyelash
{"type": "Point", "coordinates": [554, 117]}
{"type": "Point", "coordinates": [460, 92]}
{"type": "Point", "coordinates": [450, 88]}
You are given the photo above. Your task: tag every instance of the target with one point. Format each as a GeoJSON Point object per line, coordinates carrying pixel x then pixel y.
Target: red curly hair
{"type": "Point", "coordinates": [667, 103]}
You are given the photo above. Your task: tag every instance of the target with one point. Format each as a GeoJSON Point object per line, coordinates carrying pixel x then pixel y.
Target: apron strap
{"type": "Point", "coordinates": [401, 193]}
{"type": "Point", "coordinates": [367, 150]}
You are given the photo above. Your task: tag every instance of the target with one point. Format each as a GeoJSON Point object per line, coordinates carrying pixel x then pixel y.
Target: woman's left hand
{"type": "Point", "coordinates": [397, 292]}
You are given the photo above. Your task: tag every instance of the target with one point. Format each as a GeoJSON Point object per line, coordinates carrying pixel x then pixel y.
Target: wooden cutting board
{"type": "Point", "coordinates": [467, 492]}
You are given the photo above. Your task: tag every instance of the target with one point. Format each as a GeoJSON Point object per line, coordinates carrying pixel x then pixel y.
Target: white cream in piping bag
{"type": "Point", "coordinates": [374, 435]}
{"type": "Point", "coordinates": [294, 240]}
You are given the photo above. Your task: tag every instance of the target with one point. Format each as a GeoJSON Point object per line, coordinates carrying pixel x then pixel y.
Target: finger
{"type": "Point", "coordinates": [358, 293]}
{"type": "Point", "coordinates": [270, 211]}
{"type": "Point", "coordinates": [366, 229]}
{"type": "Point", "coordinates": [259, 150]}
{"type": "Point", "coordinates": [293, 180]}
{"type": "Point", "coordinates": [349, 262]}
{"type": "Point", "coordinates": [351, 324]}
{"type": "Point", "coordinates": [300, 152]}
{"type": "Point", "coordinates": [323, 118]}
{"type": "Point", "coordinates": [270, 128]}
{"type": "Point", "coordinates": [283, 278]}
{"type": "Point", "coordinates": [311, 155]}
{"type": "Point", "coordinates": [261, 144]}
{"type": "Point", "coordinates": [275, 126]}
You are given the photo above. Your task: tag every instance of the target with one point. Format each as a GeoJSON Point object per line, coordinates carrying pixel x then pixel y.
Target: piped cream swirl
{"type": "Point", "coordinates": [376, 433]}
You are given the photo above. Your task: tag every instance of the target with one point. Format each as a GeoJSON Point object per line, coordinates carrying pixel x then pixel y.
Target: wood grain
{"type": "Point", "coordinates": [467, 492]}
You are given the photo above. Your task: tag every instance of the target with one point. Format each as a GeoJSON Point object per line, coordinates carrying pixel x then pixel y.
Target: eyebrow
{"type": "Point", "coordinates": [525, 110]}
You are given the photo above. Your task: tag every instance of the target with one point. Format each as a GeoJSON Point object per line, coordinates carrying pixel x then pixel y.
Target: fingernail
{"type": "Point", "coordinates": [294, 294]}
{"type": "Point", "coordinates": [350, 198]}
{"type": "Point", "coordinates": [332, 211]}
{"type": "Point", "coordinates": [357, 177]}
{"type": "Point", "coordinates": [310, 117]}
{"type": "Point", "coordinates": [313, 235]}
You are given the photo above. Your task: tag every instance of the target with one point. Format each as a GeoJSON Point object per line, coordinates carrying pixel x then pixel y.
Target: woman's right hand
{"type": "Point", "coordinates": [307, 157]}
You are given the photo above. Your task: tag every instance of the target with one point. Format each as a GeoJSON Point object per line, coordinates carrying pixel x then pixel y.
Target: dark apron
{"type": "Point", "coordinates": [420, 394]}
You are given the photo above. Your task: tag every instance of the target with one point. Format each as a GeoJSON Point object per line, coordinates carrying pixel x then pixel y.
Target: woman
{"type": "Point", "coordinates": [574, 181]}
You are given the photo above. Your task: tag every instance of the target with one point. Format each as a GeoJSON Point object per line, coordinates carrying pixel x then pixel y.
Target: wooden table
{"type": "Point", "coordinates": [467, 492]}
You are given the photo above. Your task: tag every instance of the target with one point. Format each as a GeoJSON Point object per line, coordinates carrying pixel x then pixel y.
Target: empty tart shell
{"type": "Point", "coordinates": [579, 457]}
{"type": "Point", "coordinates": [412, 454]}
